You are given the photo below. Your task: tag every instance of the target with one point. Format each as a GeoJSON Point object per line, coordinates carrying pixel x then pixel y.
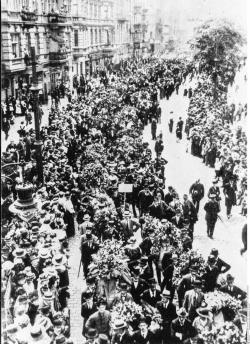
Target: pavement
{"type": "Point", "coordinates": [182, 170]}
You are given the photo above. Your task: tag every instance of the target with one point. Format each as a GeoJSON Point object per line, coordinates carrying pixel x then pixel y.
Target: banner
{"type": "Point", "coordinates": [126, 188]}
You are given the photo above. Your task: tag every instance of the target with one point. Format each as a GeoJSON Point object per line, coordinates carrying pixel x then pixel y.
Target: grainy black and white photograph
{"type": "Point", "coordinates": [124, 172]}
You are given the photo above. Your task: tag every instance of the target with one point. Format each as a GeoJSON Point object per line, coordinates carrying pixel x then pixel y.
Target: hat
{"type": "Point", "coordinates": [102, 302]}
{"type": "Point", "coordinates": [136, 271]}
{"type": "Point", "coordinates": [123, 285]}
{"type": "Point", "coordinates": [152, 281]}
{"type": "Point", "coordinates": [214, 252]}
{"type": "Point", "coordinates": [86, 217]}
{"type": "Point", "coordinates": [88, 295]}
{"type": "Point", "coordinates": [44, 253]}
{"type": "Point", "coordinates": [58, 321]}
{"type": "Point", "coordinates": [91, 333]}
{"type": "Point", "coordinates": [126, 213]}
{"type": "Point", "coordinates": [36, 333]}
{"type": "Point", "coordinates": [60, 339]}
{"type": "Point", "coordinates": [193, 267]}
{"type": "Point", "coordinates": [211, 259]}
{"type": "Point", "coordinates": [212, 196]}
{"type": "Point", "coordinates": [166, 293]}
{"type": "Point", "coordinates": [103, 339]}
{"type": "Point", "coordinates": [132, 240]}
{"type": "Point", "coordinates": [57, 260]}
{"type": "Point", "coordinates": [143, 320]}
{"type": "Point", "coordinates": [197, 283]}
{"type": "Point", "coordinates": [12, 329]}
{"type": "Point", "coordinates": [203, 312]}
{"type": "Point", "coordinates": [215, 181]}
{"type": "Point", "coordinates": [19, 252]}
{"type": "Point", "coordinates": [30, 276]}
{"type": "Point", "coordinates": [229, 277]}
{"type": "Point", "coordinates": [48, 295]}
{"type": "Point", "coordinates": [182, 312]}
{"type": "Point", "coordinates": [144, 260]}
{"type": "Point", "coordinates": [119, 324]}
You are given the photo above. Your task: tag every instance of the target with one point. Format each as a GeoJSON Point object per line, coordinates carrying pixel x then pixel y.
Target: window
{"type": "Point", "coordinates": [76, 38]}
{"type": "Point", "coordinates": [68, 40]}
{"type": "Point", "coordinates": [28, 45]}
{"type": "Point", "coordinates": [91, 37]}
{"type": "Point", "coordinates": [96, 40]}
{"type": "Point", "coordinates": [100, 35]}
{"type": "Point", "coordinates": [37, 44]}
{"type": "Point", "coordinates": [15, 45]}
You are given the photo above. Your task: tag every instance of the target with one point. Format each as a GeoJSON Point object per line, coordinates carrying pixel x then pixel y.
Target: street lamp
{"type": "Point", "coordinates": [35, 88]}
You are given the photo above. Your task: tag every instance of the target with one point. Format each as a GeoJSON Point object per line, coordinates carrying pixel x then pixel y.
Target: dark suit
{"type": "Point", "coordinates": [186, 329]}
{"type": "Point", "coordinates": [145, 246]}
{"type": "Point", "coordinates": [168, 314]}
{"type": "Point", "coordinates": [230, 198]}
{"type": "Point", "coordinates": [136, 291]}
{"type": "Point", "coordinates": [168, 277]}
{"type": "Point", "coordinates": [150, 299]}
{"type": "Point", "coordinates": [124, 339]}
{"type": "Point", "coordinates": [100, 322]}
{"type": "Point", "coordinates": [178, 221]}
{"type": "Point", "coordinates": [86, 312]}
{"type": "Point", "coordinates": [87, 249]}
{"type": "Point", "coordinates": [129, 227]}
{"type": "Point", "coordinates": [222, 266]}
{"type": "Point", "coordinates": [234, 291]}
{"type": "Point", "coordinates": [158, 209]}
{"type": "Point", "coordinates": [197, 192]}
{"type": "Point", "coordinates": [137, 338]}
{"type": "Point", "coordinates": [210, 278]}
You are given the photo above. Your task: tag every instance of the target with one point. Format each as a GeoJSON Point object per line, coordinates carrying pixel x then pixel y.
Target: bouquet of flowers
{"type": "Point", "coordinates": [94, 174]}
{"type": "Point", "coordinates": [185, 260]}
{"type": "Point", "coordinates": [218, 300]}
{"type": "Point", "coordinates": [127, 311]}
{"type": "Point", "coordinates": [227, 333]}
{"type": "Point", "coordinates": [110, 261]}
{"type": "Point", "coordinates": [94, 152]}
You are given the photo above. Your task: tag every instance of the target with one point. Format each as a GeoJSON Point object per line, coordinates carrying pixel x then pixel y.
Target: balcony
{"type": "Point", "coordinates": [56, 58]}
{"type": "Point", "coordinates": [29, 18]}
{"type": "Point", "coordinates": [56, 18]}
{"type": "Point", "coordinates": [77, 52]}
{"type": "Point", "coordinates": [14, 65]}
{"type": "Point", "coordinates": [121, 18]}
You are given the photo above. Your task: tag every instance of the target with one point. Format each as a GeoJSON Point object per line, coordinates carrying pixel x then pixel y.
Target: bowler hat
{"type": "Point", "coordinates": [119, 324]}
{"type": "Point", "coordinates": [91, 333]}
{"type": "Point", "coordinates": [166, 293]}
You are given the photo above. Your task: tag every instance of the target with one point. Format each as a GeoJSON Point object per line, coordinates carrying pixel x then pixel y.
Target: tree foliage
{"type": "Point", "coordinates": [216, 47]}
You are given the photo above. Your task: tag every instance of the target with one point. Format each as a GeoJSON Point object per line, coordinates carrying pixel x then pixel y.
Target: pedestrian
{"type": "Point", "coordinates": [159, 147]}
{"type": "Point", "coordinates": [230, 197]}
{"type": "Point", "coordinates": [153, 128]}
{"type": "Point", "coordinates": [89, 246]}
{"type": "Point", "coordinates": [100, 320]}
{"type": "Point", "coordinates": [212, 209]}
{"type": "Point", "coordinates": [197, 192]}
{"type": "Point", "coordinates": [170, 125]}
{"type": "Point", "coordinates": [6, 128]}
{"type": "Point", "coordinates": [181, 328]}
{"type": "Point", "coordinates": [244, 239]}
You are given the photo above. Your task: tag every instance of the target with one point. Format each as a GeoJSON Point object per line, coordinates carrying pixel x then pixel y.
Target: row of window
{"type": "Point", "coordinates": [95, 37]}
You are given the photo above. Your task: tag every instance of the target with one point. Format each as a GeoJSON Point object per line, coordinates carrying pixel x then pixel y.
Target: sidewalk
{"type": "Point", "coordinates": [13, 134]}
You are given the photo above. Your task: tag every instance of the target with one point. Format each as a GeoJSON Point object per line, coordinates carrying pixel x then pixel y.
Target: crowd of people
{"type": "Point", "coordinates": [144, 282]}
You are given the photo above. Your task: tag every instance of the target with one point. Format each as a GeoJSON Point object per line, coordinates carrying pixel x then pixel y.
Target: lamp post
{"type": "Point", "coordinates": [35, 88]}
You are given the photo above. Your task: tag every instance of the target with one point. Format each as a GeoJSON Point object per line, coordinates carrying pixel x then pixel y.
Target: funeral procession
{"type": "Point", "coordinates": [124, 172]}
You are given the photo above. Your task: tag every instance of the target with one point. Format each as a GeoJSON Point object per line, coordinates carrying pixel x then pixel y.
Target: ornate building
{"type": "Point", "coordinates": [45, 25]}
{"type": "Point", "coordinates": [71, 38]}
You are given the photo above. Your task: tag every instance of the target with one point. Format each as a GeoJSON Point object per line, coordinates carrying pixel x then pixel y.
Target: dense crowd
{"type": "Point", "coordinates": [144, 282]}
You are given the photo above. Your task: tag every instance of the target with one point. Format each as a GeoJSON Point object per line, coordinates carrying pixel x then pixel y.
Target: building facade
{"type": "Point", "coordinates": [71, 38]}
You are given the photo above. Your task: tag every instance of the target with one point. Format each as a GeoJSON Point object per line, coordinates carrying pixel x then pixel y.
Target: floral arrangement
{"type": "Point", "coordinates": [184, 261]}
{"type": "Point", "coordinates": [126, 311]}
{"type": "Point", "coordinates": [227, 333]}
{"type": "Point", "coordinates": [94, 152]}
{"type": "Point", "coordinates": [94, 174]}
{"type": "Point", "coordinates": [110, 261]}
{"type": "Point", "coordinates": [218, 300]}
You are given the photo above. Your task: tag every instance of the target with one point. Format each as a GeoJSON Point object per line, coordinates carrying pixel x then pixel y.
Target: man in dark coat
{"type": "Point", "coordinates": [88, 247]}
{"type": "Point", "coordinates": [197, 192]}
{"type": "Point", "coordinates": [100, 320]}
{"type": "Point", "coordinates": [230, 197]}
{"type": "Point", "coordinates": [168, 312]}
{"type": "Point", "coordinates": [214, 190]}
{"type": "Point", "coordinates": [193, 299]}
{"type": "Point", "coordinates": [138, 285]}
{"type": "Point", "coordinates": [170, 125]}
{"type": "Point", "coordinates": [232, 290]}
{"type": "Point", "coordinates": [88, 308]}
{"type": "Point", "coordinates": [146, 198]}
{"type": "Point", "coordinates": [159, 146]}
{"type": "Point", "coordinates": [143, 335]}
{"type": "Point", "coordinates": [151, 296]}
{"type": "Point", "coordinates": [181, 328]}
{"type": "Point", "coordinates": [178, 220]}
{"type": "Point", "coordinates": [189, 213]}
{"type": "Point", "coordinates": [153, 129]}
{"type": "Point", "coordinates": [212, 209]}
{"type": "Point", "coordinates": [210, 275]}
{"type": "Point", "coordinates": [158, 208]}
{"type": "Point", "coordinates": [129, 225]}
{"type": "Point", "coordinates": [121, 334]}
{"type": "Point", "coordinates": [222, 266]}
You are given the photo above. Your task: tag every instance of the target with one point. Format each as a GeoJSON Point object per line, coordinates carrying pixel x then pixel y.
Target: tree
{"type": "Point", "coordinates": [216, 49]}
